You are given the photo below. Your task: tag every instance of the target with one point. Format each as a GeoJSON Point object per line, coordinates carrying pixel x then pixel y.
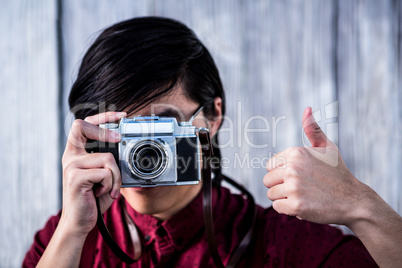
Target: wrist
{"type": "Point", "coordinates": [379, 228]}
{"type": "Point", "coordinates": [369, 212]}
{"type": "Point", "coordinates": [64, 248]}
{"type": "Point", "coordinates": [70, 229]}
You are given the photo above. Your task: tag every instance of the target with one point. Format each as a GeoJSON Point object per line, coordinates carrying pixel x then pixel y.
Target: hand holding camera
{"type": "Point", "coordinates": [82, 170]}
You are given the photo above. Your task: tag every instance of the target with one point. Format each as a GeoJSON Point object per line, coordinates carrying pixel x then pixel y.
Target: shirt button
{"type": "Point", "coordinates": [147, 238]}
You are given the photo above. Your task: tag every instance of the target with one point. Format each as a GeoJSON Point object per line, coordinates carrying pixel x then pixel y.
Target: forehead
{"type": "Point", "coordinates": [171, 104]}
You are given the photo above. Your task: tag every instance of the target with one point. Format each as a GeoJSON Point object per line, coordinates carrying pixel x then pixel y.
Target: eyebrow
{"type": "Point", "coordinates": [169, 112]}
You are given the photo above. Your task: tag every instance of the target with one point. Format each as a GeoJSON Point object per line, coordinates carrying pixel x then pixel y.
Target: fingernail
{"type": "Point", "coordinates": [117, 194]}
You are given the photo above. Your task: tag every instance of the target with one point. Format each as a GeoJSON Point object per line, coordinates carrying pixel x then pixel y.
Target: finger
{"type": "Point", "coordinates": [81, 131]}
{"type": "Point", "coordinates": [102, 160]}
{"type": "Point", "coordinates": [94, 160]}
{"type": "Point", "coordinates": [283, 206]}
{"type": "Point", "coordinates": [85, 179]}
{"type": "Point", "coordinates": [102, 177]}
{"type": "Point", "coordinates": [116, 186]}
{"type": "Point", "coordinates": [277, 192]}
{"type": "Point", "coordinates": [277, 161]}
{"type": "Point", "coordinates": [103, 118]}
{"type": "Point", "coordinates": [109, 162]}
{"type": "Point", "coordinates": [273, 178]}
{"type": "Point", "coordinates": [105, 201]}
{"type": "Point", "coordinates": [313, 131]}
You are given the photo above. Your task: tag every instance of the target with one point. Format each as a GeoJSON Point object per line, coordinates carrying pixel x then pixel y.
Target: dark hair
{"type": "Point", "coordinates": [134, 62]}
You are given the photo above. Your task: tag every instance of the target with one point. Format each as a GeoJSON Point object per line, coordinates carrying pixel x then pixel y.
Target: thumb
{"type": "Point", "coordinates": [313, 131]}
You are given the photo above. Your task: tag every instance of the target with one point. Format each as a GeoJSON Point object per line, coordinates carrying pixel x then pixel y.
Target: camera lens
{"type": "Point", "coordinates": [148, 159]}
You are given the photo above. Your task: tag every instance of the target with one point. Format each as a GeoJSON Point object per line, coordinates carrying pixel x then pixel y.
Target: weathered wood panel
{"type": "Point", "coordinates": [29, 158]}
{"type": "Point", "coordinates": [369, 68]}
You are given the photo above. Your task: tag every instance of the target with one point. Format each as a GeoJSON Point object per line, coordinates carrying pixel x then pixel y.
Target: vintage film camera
{"type": "Point", "coordinates": [155, 151]}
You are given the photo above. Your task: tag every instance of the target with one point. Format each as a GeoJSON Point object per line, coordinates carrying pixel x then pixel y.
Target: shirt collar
{"type": "Point", "coordinates": [180, 229]}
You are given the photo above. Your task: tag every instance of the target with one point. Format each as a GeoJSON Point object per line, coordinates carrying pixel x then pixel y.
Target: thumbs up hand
{"type": "Point", "coordinates": [314, 183]}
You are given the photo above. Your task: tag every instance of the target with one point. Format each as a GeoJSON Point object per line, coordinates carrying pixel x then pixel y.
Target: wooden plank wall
{"type": "Point", "coordinates": [343, 58]}
{"type": "Point", "coordinates": [29, 159]}
{"type": "Point", "coordinates": [370, 94]}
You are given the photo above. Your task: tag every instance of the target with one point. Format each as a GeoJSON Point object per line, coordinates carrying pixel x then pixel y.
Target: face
{"type": "Point", "coordinates": [164, 201]}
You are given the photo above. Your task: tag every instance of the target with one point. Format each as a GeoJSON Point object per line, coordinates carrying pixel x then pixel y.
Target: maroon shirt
{"type": "Point", "coordinates": [279, 240]}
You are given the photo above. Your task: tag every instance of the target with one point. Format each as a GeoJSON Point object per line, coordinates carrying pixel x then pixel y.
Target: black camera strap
{"type": "Point", "coordinates": [109, 239]}
{"type": "Point", "coordinates": [207, 209]}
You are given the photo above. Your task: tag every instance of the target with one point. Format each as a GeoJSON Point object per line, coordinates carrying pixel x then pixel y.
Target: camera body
{"type": "Point", "coordinates": [155, 151]}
